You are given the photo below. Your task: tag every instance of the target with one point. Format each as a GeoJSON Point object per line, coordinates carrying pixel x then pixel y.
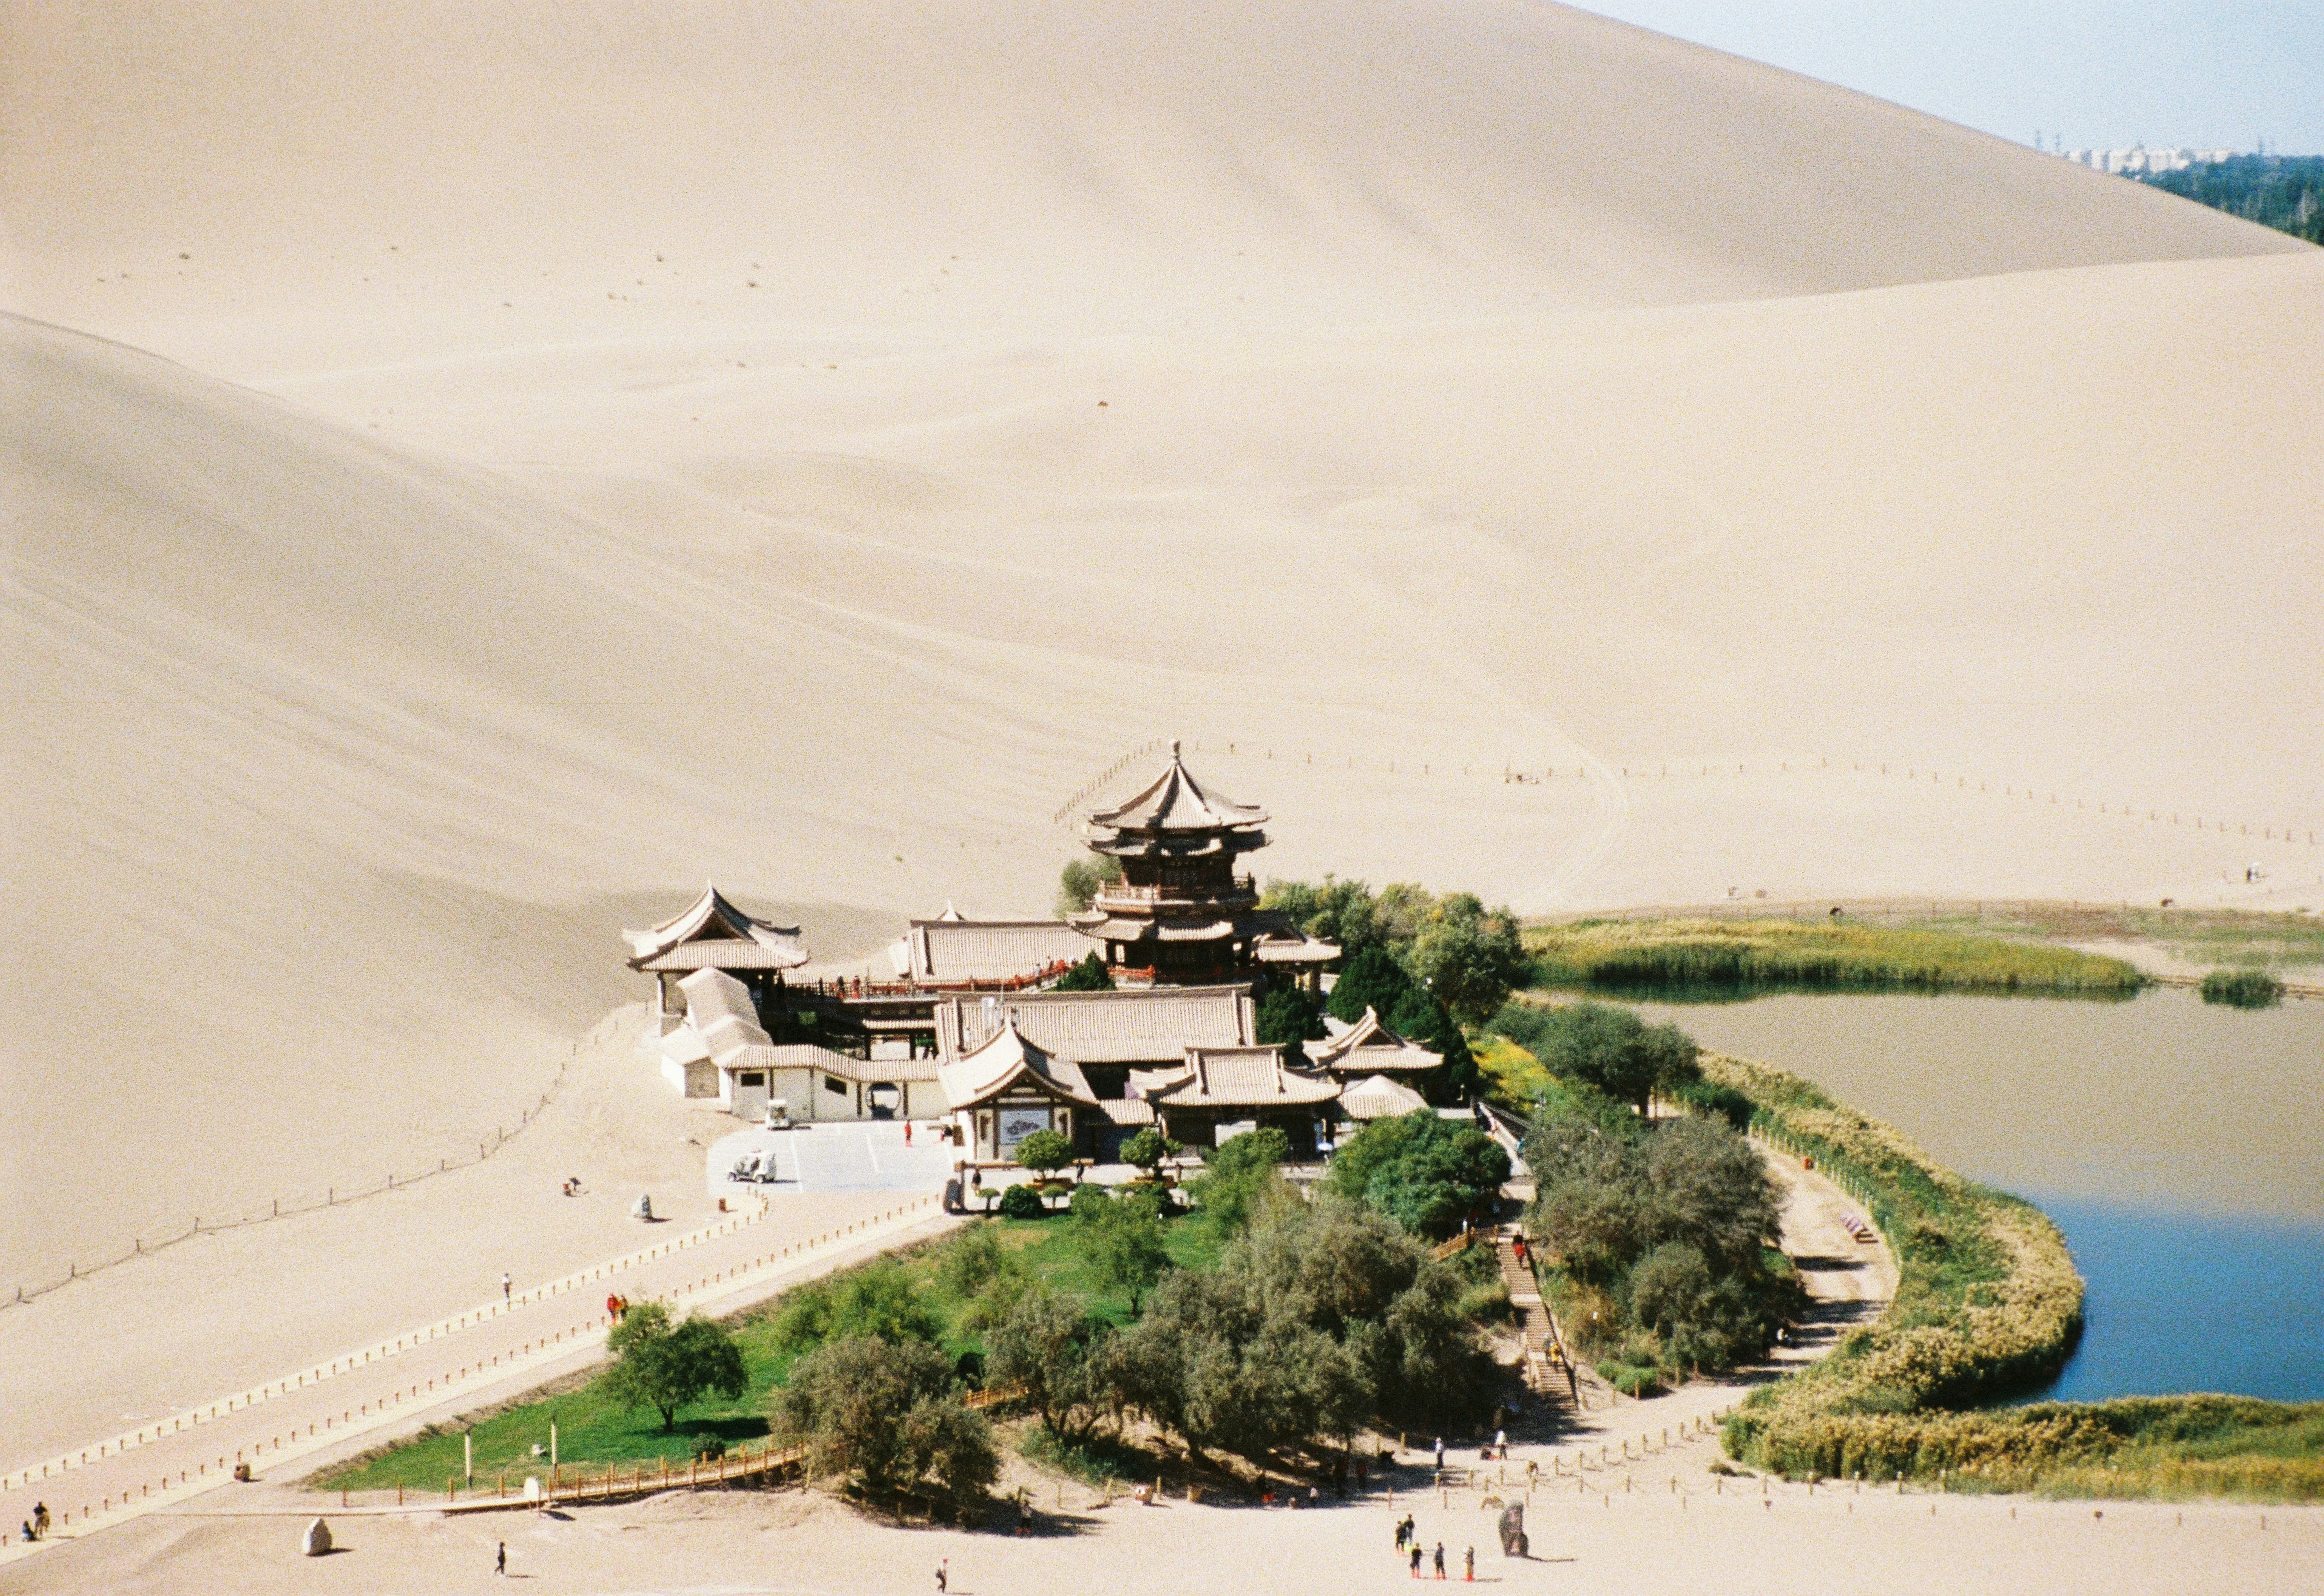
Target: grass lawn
{"type": "Point", "coordinates": [592, 1429]}
{"type": "Point", "coordinates": [1707, 957]}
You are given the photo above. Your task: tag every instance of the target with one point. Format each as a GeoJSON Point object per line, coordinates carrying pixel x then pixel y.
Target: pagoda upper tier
{"type": "Point", "coordinates": [1175, 817]}
{"type": "Point", "coordinates": [1180, 913]}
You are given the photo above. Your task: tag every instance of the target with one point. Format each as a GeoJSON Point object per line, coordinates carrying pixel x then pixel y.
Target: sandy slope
{"type": "Point", "coordinates": [1372, 391]}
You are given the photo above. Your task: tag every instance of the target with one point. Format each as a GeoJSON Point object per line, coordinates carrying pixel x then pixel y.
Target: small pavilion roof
{"type": "Point", "coordinates": [1007, 1061]}
{"type": "Point", "coordinates": [1232, 1078]}
{"type": "Point", "coordinates": [1377, 1097]}
{"type": "Point", "coordinates": [1368, 1047]}
{"type": "Point", "coordinates": [713, 933]}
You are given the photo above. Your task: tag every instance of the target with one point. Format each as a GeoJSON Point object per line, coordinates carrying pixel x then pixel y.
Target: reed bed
{"type": "Point", "coordinates": [2243, 989]}
{"type": "Point", "coordinates": [1987, 1305]}
{"type": "Point", "coordinates": [1721, 956]}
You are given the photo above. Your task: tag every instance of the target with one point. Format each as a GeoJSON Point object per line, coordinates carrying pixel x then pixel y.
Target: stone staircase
{"type": "Point", "coordinates": [1547, 1371]}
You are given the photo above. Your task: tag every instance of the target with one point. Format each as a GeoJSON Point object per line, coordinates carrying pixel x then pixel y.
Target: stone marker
{"type": "Point", "coordinates": [644, 1208]}
{"type": "Point", "coordinates": [318, 1539]}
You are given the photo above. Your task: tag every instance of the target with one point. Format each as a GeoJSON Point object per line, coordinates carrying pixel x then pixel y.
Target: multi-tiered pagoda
{"type": "Point", "coordinates": [1181, 915]}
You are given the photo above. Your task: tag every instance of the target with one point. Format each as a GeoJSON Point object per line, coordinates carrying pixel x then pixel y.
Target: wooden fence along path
{"type": "Point", "coordinates": [186, 1467]}
{"type": "Point", "coordinates": [614, 1482]}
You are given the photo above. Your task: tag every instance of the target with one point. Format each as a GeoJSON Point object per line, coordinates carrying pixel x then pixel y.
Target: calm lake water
{"type": "Point", "coordinates": [2178, 1145]}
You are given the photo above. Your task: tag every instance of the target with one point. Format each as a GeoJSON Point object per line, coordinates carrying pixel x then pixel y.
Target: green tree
{"type": "Point", "coordinates": [1147, 1148]}
{"type": "Point", "coordinates": [1079, 881]}
{"type": "Point", "coordinates": [1123, 1239]}
{"type": "Point", "coordinates": [1045, 1153]}
{"type": "Point", "coordinates": [1090, 975]}
{"type": "Point", "coordinates": [879, 1299]}
{"type": "Point", "coordinates": [1371, 979]}
{"type": "Point", "coordinates": [1469, 958]}
{"type": "Point", "coordinates": [1613, 1051]}
{"type": "Point", "coordinates": [1288, 1016]}
{"type": "Point", "coordinates": [1425, 1172]}
{"type": "Point", "coordinates": [882, 1415]}
{"type": "Point", "coordinates": [1317, 1317]}
{"type": "Point", "coordinates": [1338, 910]}
{"type": "Point", "coordinates": [666, 1368]}
{"type": "Point", "coordinates": [1240, 1178]}
{"type": "Point", "coordinates": [1058, 1352]}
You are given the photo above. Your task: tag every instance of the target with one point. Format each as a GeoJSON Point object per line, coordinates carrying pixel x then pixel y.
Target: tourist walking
{"type": "Point", "coordinates": [1416, 1558]}
{"type": "Point", "coordinates": [1440, 1454]}
{"type": "Point", "coordinates": [500, 1562]}
{"type": "Point", "coordinates": [1403, 1533]}
{"type": "Point", "coordinates": [943, 1580]}
{"type": "Point", "coordinates": [507, 1286]}
{"type": "Point", "coordinates": [1469, 1565]}
{"type": "Point", "coordinates": [1440, 1560]}
{"type": "Point", "coordinates": [41, 1521]}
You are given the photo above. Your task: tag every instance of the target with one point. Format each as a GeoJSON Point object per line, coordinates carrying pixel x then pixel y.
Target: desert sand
{"type": "Point", "coordinates": [473, 475]}
{"type": "Point", "coordinates": [1625, 1497]}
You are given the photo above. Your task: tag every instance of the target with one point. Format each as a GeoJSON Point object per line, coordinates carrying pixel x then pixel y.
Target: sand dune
{"type": "Point", "coordinates": [1383, 395]}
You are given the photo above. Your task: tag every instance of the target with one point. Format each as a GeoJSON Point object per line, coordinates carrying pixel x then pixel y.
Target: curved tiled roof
{"type": "Point", "coordinates": [1176, 801]}
{"type": "Point", "coordinates": [1139, 1025]}
{"type": "Point", "coordinates": [1007, 1059]}
{"type": "Point", "coordinates": [1378, 1097]}
{"type": "Point", "coordinates": [713, 933]}
{"type": "Point", "coordinates": [1233, 1077]}
{"type": "Point", "coordinates": [1368, 1046]}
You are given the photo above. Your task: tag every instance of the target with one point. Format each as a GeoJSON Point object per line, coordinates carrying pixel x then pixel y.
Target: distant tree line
{"type": "Point", "coordinates": [2282, 192]}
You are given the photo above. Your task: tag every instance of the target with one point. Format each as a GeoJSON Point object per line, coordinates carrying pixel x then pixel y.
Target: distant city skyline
{"type": "Point", "coordinates": [2104, 74]}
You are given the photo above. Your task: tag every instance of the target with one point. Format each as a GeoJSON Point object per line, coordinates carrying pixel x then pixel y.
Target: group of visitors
{"type": "Point", "coordinates": [36, 1527]}
{"type": "Point", "coordinates": [1407, 1540]}
{"type": "Point", "coordinates": [573, 1185]}
{"type": "Point", "coordinates": [617, 1306]}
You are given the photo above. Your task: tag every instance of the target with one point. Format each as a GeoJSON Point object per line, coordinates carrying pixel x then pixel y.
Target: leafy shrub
{"type": "Point", "coordinates": [882, 1417]}
{"type": "Point", "coordinates": [1090, 975]}
{"type": "Point", "coordinates": [2243, 989]}
{"type": "Point", "coordinates": [1022, 1202]}
{"type": "Point", "coordinates": [1044, 1151]}
{"type": "Point", "coordinates": [1149, 1147]}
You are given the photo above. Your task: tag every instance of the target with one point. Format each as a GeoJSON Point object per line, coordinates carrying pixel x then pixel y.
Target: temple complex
{"type": "Point", "coordinates": [988, 1046]}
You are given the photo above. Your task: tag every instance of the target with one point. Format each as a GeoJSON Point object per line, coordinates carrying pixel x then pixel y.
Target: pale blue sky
{"type": "Point", "coordinates": [2102, 72]}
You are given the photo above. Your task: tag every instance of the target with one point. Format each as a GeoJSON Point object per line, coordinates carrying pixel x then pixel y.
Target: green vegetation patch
{"type": "Point", "coordinates": [2243, 989]}
{"type": "Point", "coordinates": [1724, 957]}
{"type": "Point", "coordinates": [595, 1426]}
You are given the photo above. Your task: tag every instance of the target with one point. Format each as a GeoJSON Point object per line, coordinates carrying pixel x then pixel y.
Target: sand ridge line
{"type": "Point", "coordinates": [540, 1354]}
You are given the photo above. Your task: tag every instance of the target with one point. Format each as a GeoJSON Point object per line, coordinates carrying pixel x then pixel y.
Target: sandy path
{"type": "Point", "coordinates": [432, 1371]}
{"type": "Point", "coordinates": [376, 1313]}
